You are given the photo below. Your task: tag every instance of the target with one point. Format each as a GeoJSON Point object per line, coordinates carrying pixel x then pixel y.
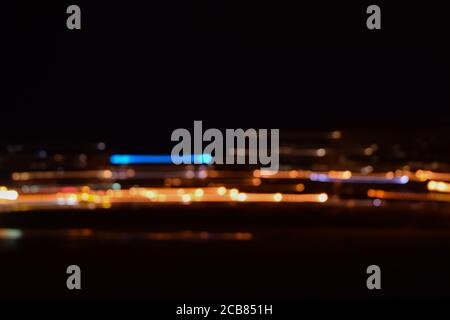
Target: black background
{"type": "Point", "coordinates": [138, 70]}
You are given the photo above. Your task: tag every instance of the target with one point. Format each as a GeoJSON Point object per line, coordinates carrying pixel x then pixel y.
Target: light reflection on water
{"type": "Point", "coordinates": [10, 234]}
{"type": "Point", "coordinates": [86, 233]}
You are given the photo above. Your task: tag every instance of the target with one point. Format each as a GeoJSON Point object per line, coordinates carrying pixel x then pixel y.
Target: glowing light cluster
{"type": "Point", "coordinates": [439, 186]}
{"type": "Point", "coordinates": [8, 195]}
{"type": "Point", "coordinates": [86, 197]}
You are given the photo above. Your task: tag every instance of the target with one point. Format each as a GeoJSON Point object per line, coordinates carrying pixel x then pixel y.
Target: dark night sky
{"type": "Point", "coordinates": [137, 71]}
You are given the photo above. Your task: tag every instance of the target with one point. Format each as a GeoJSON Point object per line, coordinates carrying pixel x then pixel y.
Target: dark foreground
{"type": "Point", "coordinates": [193, 252]}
